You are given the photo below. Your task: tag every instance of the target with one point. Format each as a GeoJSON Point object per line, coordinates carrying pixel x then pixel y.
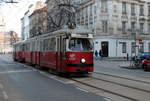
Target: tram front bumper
{"type": "Point", "coordinates": [80, 68]}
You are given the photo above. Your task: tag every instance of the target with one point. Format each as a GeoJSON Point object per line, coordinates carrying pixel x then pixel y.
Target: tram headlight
{"type": "Point", "coordinates": [83, 60]}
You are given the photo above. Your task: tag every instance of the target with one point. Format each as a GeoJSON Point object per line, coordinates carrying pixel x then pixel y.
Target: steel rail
{"type": "Point", "coordinates": [108, 91]}
{"type": "Point", "coordinates": [120, 84]}
{"type": "Point", "coordinates": [122, 77]}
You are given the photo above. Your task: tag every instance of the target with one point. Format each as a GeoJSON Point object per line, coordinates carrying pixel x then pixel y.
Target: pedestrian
{"type": "Point", "coordinates": [96, 55]}
{"type": "Point", "coordinates": [100, 54]}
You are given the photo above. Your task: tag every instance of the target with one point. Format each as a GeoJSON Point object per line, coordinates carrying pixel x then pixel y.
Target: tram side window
{"type": "Point", "coordinates": [27, 47]}
{"type": "Point", "coordinates": [64, 45]}
{"type": "Point", "coordinates": [33, 46]}
{"type": "Point", "coordinates": [23, 47]}
{"type": "Point", "coordinates": [45, 45]}
{"type": "Point", "coordinates": [41, 45]}
{"type": "Point", "coordinates": [49, 44]}
{"type": "Point", "coordinates": [52, 44]}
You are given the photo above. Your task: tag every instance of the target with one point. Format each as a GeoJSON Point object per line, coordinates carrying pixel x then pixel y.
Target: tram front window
{"type": "Point", "coordinates": [80, 44]}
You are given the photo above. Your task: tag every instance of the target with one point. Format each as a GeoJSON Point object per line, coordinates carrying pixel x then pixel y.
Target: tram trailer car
{"type": "Point", "coordinates": [65, 51]}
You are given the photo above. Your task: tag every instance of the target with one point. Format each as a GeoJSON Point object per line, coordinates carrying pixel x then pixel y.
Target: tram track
{"type": "Point", "coordinates": [108, 91]}
{"type": "Point", "coordinates": [122, 77]}
{"type": "Point", "coordinates": [123, 85]}
{"type": "Point", "coordinates": [115, 88]}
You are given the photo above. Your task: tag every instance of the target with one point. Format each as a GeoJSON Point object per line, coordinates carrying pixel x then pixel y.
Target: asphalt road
{"type": "Point", "coordinates": [21, 83]}
{"type": "Point", "coordinates": [114, 67]}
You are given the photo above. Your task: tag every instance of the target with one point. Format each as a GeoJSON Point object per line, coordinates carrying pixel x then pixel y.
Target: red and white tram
{"type": "Point", "coordinates": [65, 51]}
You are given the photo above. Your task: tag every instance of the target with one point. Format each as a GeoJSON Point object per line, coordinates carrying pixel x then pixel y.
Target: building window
{"type": "Point", "coordinates": [132, 9]}
{"type": "Point", "coordinates": [141, 27]}
{"type": "Point", "coordinates": [91, 10]}
{"type": "Point", "coordinates": [148, 10]}
{"type": "Point", "coordinates": [124, 8]}
{"type": "Point", "coordinates": [82, 17]}
{"type": "Point", "coordinates": [141, 50]}
{"type": "Point", "coordinates": [149, 28]}
{"type": "Point", "coordinates": [78, 18]}
{"type": "Point", "coordinates": [104, 6]}
{"type": "Point", "coordinates": [149, 47]}
{"type": "Point", "coordinates": [141, 10]}
{"type": "Point", "coordinates": [124, 27]}
{"type": "Point", "coordinates": [133, 47]}
{"type": "Point", "coordinates": [133, 27]}
{"type": "Point", "coordinates": [95, 10]}
{"type": "Point", "coordinates": [86, 18]}
{"type": "Point", "coordinates": [124, 47]}
{"type": "Point", "coordinates": [91, 15]}
{"type": "Point", "coordinates": [115, 8]}
{"type": "Point", "coordinates": [104, 26]}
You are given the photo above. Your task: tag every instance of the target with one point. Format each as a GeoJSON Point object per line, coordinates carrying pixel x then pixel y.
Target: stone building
{"type": "Point", "coordinates": [6, 41]}
{"type": "Point", "coordinates": [38, 21]}
{"type": "Point", "coordinates": [25, 21]}
{"type": "Point", "coordinates": [121, 27]}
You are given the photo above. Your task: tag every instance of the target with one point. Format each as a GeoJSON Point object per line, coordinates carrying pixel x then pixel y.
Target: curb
{"type": "Point", "coordinates": [130, 67]}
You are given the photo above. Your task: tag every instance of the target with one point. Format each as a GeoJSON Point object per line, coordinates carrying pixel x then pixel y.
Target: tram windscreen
{"type": "Point", "coordinates": [80, 44]}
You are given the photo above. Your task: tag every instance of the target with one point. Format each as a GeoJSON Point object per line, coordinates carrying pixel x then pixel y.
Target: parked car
{"type": "Point", "coordinates": [146, 64]}
{"type": "Point", "coordinates": [142, 56]}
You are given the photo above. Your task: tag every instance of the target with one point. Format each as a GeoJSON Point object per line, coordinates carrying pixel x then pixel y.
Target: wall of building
{"type": "Point", "coordinates": [26, 20]}
{"type": "Point", "coordinates": [6, 41]}
{"type": "Point", "coordinates": [95, 14]}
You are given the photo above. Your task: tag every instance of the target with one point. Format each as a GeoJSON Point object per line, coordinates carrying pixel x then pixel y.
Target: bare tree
{"type": "Point", "coordinates": [62, 14]}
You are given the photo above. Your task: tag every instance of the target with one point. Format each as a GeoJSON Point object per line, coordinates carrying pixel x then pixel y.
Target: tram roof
{"type": "Point", "coordinates": [78, 30]}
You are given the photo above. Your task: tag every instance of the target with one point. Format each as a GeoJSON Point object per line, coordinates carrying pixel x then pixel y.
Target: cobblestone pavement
{"type": "Point", "coordinates": [114, 67]}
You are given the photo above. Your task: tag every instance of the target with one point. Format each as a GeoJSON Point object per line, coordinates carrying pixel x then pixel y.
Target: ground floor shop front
{"type": "Point", "coordinates": [113, 47]}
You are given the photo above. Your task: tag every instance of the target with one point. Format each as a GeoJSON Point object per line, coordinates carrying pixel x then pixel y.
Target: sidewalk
{"type": "Point", "coordinates": [113, 59]}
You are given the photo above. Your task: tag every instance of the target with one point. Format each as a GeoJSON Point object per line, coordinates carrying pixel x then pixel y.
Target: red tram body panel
{"type": "Point", "coordinates": [65, 51]}
{"type": "Point", "coordinates": [74, 63]}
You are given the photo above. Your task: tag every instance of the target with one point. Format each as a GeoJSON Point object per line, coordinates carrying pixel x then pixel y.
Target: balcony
{"type": "Point", "coordinates": [142, 19]}
{"type": "Point", "coordinates": [133, 18]}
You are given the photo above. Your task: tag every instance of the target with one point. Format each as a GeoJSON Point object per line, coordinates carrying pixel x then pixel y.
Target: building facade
{"type": "Point", "coordinates": [25, 21]}
{"type": "Point", "coordinates": [121, 27]}
{"type": "Point", "coordinates": [38, 22]}
{"type": "Point", "coordinates": [6, 41]}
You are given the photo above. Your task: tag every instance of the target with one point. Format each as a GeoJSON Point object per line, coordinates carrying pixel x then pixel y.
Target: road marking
{"type": "Point", "coordinates": [5, 95]}
{"type": "Point", "coordinates": [17, 71]}
{"type": "Point", "coordinates": [70, 82]}
{"type": "Point", "coordinates": [107, 99]}
{"type": "Point", "coordinates": [59, 80]}
{"type": "Point", "coordinates": [82, 89]}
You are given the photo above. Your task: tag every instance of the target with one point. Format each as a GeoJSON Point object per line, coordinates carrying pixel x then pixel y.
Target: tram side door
{"type": "Point", "coordinates": [60, 53]}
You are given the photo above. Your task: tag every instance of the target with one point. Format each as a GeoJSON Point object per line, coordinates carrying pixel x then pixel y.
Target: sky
{"type": "Point", "coordinates": [13, 13]}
